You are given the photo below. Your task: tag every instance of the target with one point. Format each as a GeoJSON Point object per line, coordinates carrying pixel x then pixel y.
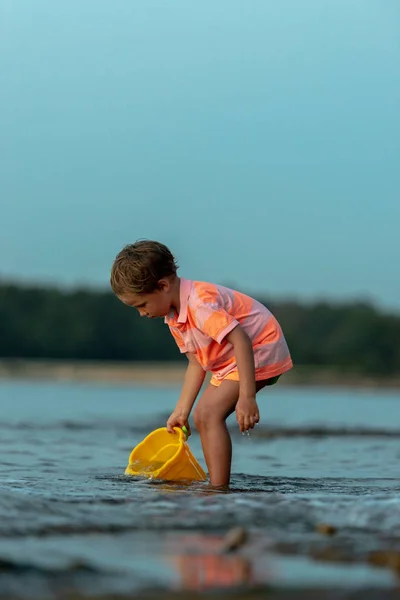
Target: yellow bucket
{"type": "Point", "coordinates": [163, 455]}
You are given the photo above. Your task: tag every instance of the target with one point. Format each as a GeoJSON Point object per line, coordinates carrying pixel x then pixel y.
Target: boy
{"type": "Point", "coordinates": [220, 330]}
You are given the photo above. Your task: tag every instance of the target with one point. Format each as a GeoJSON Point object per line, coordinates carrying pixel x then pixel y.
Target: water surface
{"type": "Point", "coordinates": [69, 514]}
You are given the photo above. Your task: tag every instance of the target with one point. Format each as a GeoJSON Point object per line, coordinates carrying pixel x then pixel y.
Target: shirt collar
{"type": "Point", "coordinates": [184, 293]}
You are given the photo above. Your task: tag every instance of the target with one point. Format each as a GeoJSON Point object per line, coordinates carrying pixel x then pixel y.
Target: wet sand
{"type": "Point", "coordinates": [265, 593]}
{"type": "Point", "coordinates": [202, 572]}
{"type": "Point", "coordinates": [262, 594]}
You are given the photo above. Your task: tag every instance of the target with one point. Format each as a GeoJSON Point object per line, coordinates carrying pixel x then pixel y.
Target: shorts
{"type": "Point", "coordinates": [235, 377]}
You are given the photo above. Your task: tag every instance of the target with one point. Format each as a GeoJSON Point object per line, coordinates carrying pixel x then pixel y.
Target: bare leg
{"type": "Point", "coordinates": [210, 414]}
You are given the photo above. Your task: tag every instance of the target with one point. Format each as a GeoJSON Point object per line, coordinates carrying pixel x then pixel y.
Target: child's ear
{"type": "Point", "coordinates": [163, 285]}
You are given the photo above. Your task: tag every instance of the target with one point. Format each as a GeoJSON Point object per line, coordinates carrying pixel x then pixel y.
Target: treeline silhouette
{"type": "Point", "coordinates": [42, 322]}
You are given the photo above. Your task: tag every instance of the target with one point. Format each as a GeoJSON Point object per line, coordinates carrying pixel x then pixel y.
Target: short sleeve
{"type": "Point", "coordinates": [178, 339]}
{"type": "Point", "coordinates": [213, 320]}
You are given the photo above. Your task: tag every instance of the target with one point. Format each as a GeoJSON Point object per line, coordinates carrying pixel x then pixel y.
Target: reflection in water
{"type": "Point", "coordinates": [201, 566]}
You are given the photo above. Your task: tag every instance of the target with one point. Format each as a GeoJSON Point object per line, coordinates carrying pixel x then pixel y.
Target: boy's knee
{"type": "Point", "coordinates": [204, 417]}
{"type": "Point", "coordinates": [198, 417]}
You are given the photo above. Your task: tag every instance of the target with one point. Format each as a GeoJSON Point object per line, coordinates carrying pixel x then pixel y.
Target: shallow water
{"type": "Point", "coordinates": [69, 515]}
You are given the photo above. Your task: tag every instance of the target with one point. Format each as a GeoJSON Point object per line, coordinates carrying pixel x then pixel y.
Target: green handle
{"type": "Point", "coordinates": [185, 431]}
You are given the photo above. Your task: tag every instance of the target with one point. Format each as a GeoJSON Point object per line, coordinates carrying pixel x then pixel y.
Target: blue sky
{"type": "Point", "coordinates": [260, 140]}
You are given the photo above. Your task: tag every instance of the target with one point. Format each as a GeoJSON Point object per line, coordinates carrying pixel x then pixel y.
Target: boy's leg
{"type": "Point", "coordinates": [210, 414]}
{"type": "Point", "coordinates": [212, 409]}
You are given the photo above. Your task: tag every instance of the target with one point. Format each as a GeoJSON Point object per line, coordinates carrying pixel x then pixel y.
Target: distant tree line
{"type": "Point", "coordinates": [39, 322]}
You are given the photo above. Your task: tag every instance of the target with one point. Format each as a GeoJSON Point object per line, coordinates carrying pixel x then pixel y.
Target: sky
{"type": "Point", "coordinates": [259, 140]}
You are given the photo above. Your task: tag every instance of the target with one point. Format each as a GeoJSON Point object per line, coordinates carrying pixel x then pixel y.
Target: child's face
{"type": "Point", "coordinates": [154, 304]}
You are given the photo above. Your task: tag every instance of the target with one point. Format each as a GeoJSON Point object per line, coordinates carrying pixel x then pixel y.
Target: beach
{"type": "Point", "coordinates": [313, 502]}
{"type": "Point", "coordinates": [167, 374]}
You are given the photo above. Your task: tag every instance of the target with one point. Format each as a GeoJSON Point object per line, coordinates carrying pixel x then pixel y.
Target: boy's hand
{"type": "Point", "coordinates": [247, 414]}
{"type": "Point", "coordinates": [178, 419]}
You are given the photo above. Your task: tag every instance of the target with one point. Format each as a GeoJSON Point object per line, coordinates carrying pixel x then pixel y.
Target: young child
{"type": "Point", "coordinates": [220, 330]}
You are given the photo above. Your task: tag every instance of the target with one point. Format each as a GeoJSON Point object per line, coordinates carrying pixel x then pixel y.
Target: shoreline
{"type": "Point", "coordinates": [171, 374]}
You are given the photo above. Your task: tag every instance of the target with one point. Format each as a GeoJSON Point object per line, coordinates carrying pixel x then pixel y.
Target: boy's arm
{"type": "Point", "coordinates": [194, 378]}
{"type": "Point", "coordinates": [246, 408]}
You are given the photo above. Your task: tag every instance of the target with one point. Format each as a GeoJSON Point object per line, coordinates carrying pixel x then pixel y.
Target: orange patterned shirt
{"type": "Point", "coordinates": [208, 312]}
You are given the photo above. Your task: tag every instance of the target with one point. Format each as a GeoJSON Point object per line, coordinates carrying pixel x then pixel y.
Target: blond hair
{"type": "Point", "coordinates": [139, 267]}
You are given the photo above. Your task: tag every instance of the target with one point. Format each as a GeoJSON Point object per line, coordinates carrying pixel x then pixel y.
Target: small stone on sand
{"type": "Point", "coordinates": [326, 529]}
{"type": "Point", "coordinates": [234, 539]}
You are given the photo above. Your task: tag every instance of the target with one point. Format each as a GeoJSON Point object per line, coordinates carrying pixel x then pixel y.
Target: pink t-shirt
{"type": "Point", "coordinates": [208, 312]}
